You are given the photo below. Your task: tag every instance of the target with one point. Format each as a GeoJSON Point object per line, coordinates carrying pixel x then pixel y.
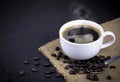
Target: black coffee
{"type": "Point", "coordinates": [81, 34]}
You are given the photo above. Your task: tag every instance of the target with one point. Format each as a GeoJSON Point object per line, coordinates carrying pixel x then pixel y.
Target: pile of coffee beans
{"type": "Point", "coordinates": [89, 67]}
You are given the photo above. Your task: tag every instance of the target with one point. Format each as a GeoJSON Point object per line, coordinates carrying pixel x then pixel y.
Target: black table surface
{"type": "Point", "coordinates": [27, 25]}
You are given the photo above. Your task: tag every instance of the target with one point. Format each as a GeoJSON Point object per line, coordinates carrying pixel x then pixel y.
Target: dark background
{"type": "Point", "coordinates": [27, 25]}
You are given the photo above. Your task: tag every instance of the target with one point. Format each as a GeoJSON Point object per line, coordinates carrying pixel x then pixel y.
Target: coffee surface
{"type": "Point", "coordinates": [81, 34]}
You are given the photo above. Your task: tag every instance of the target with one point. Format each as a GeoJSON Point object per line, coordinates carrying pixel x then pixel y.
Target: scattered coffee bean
{"type": "Point", "coordinates": [21, 72]}
{"type": "Point", "coordinates": [105, 66]}
{"type": "Point", "coordinates": [102, 58]}
{"type": "Point", "coordinates": [47, 76]}
{"type": "Point", "coordinates": [72, 65]}
{"type": "Point", "coordinates": [53, 54]}
{"type": "Point", "coordinates": [47, 64]}
{"type": "Point", "coordinates": [36, 58]}
{"type": "Point", "coordinates": [67, 67]}
{"type": "Point", "coordinates": [37, 63]}
{"type": "Point", "coordinates": [58, 58]}
{"type": "Point", "coordinates": [34, 70]}
{"type": "Point", "coordinates": [57, 48]}
{"type": "Point", "coordinates": [101, 65]}
{"type": "Point", "coordinates": [58, 75]}
{"type": "Point", "coordinates": [108, 57]}
{"type": "Point", "coordinates": [72, 72]}
{"type": "Point", "coordinates": [81, 72]}
{"type": "Point", "coordinates": [88, 76]}
{"type": "Point", "coordinates": [53, 70]}
{"type": "Point", "coordinates": [8, 72]}
{"type": "Point", "coordinates": [100, 69]}
{"type": "Point", "coordinates": [95, 77]}
{"type": "Point", "coordinates": [112, 67]}
{"type": "Point", "coordinates": [26, 62]}
{"type": "Point", "coordinates": [66, 61]}
{"type": "Point", "coordinates": [47, 72]}
{"type": "Point", "coordinates": [92, 77]}
{"type": "Point", "coordinates": [59, 54]}
{"type": "Point", "coordinates": [108, 77]}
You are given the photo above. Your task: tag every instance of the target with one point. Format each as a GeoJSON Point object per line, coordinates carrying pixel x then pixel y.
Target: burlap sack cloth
{"type": "Point", "coordinates": [113, 50]}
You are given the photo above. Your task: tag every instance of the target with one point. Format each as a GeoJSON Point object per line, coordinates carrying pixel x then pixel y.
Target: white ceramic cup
{"type": "Point", "coordinates": [88, 50]}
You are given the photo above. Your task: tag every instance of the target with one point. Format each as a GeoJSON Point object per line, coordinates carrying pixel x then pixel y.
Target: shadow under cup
{"type": "Point", "coordinates": [82, 51]}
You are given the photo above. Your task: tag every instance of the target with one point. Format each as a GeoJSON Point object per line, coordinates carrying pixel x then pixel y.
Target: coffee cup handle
{"type": "Point", "coordinates": [109, 43]}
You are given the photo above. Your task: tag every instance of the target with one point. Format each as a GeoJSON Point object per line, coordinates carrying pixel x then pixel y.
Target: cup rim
{"type": "Point", "coordinates": [80, 21]}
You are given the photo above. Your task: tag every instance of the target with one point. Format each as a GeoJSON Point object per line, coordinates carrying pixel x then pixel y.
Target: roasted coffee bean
{"type": "Point", "coordinates": [88, 76]}
{"type": "Point", "coordinates": [95, 66]}
{"type": "Point", "coordinates": [100, 69]}
{"type": "Point", "coordinates": [67, 67]}
{"type": "Point", "coordinates": [37, 63]}
{"type": "Point", "coordinates": [108, 77]}
{"type": "Point", "coordinates": [47, 72]}
{"type": "Point", "coordinates": [89, 65]}
{"type": "Point", "coordinates": [72, 65]}
{"type": "Point", "coordinates": [96, 70]}
{"type": "Point", "coordinates": [72, 72]}
{"type": "Point", "coordinates": [81, 72]}
{"type": "Point", "coordinates": [47, 64]}
{"type": "Point", "coordinates": [101, 57]}
{"type": "Point", "coordinates": [105, 65]}
{"type": "Point", "coordinates": [8, 72]}
{"type": "Point", "coordinates": [53, 70]}
{"type": "Point", "coordinates": [21, 73]}
{"type": "Point", "coordinates": [58, 75]}
{"type": "Point", "coordinates": [53, 54]}
{"type": "Point", "coordinates": [7, 79]}
{"type": "Point", "coordinates": [58, 58]}
{"type": "Point", "coordinates": [59, 54]}
{"type": "Point", "coordinates": [65, 61]}
{"type": "Point", "coordinates": [112, 67]}
{"type": "Point", "coordinates": [91, 77]}
{"type": "Point", "coordinates": [72, 40]}
{"type": "Point", "coordinates": [101, 65]}
{"type": "Point", "coordinates": [95, 77]}
{"type": "Point", "coordinates": [81, 68]}
{"type": "Point", "coordinates": [77, 69]}
{"type": "Point", "coordinates": [26, 62]}
{"type": "Point", "coordinates": [108, 57]}
{"type": "Point", "coordinates": [34, 69]}
{"type": "Point", "coordinates": [57, 48]}
{"type": "Point", "coordinates": [36, 58]}
{"type": "Point", "coordinates": [47, 76]}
